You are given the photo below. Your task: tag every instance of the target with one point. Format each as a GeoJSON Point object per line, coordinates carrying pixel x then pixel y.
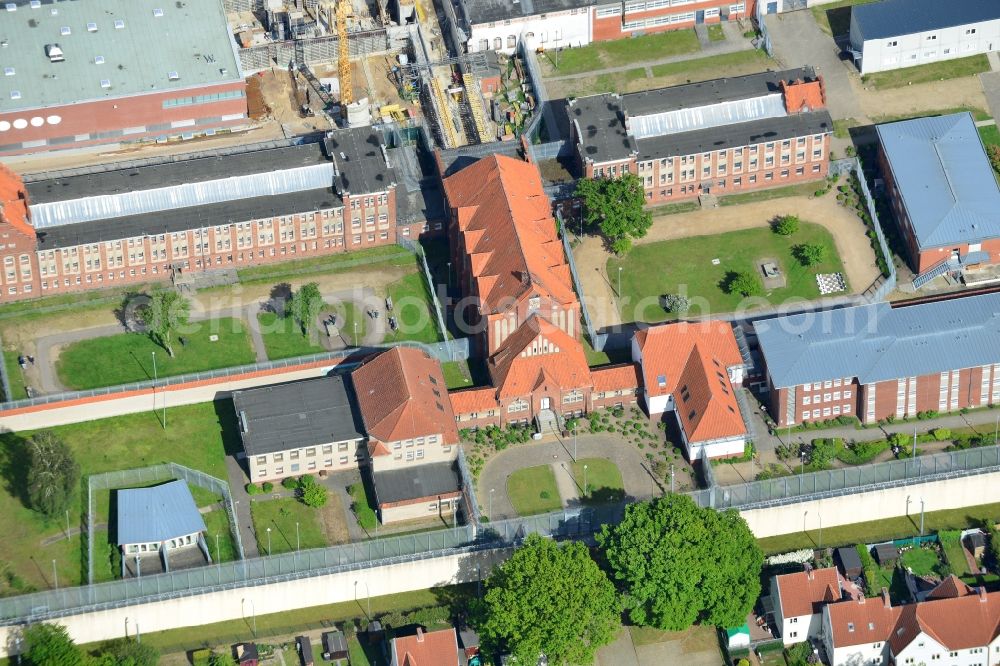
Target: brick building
{"type": "Point", "coordinates": [878, 361]}
{"type": "Point", "coordinates": [943, 194]}
{"type": "Point", "coordinates": [716, 137]}
{"type": "Point", "coordinates": [261, 204]}
{"type": "Point", "coordinates": [510, 262]}
{"type": "Point", "coordinates": [92, 72]}
{"type": "Point", "coordinates": [492, 25]}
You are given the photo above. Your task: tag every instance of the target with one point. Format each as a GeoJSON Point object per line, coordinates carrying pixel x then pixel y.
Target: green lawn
{"type": "Point", "coordinates": [14, 376]}
{"type": "Point", "coordinates": [842, 128]}
{"type": "Point", "coordinates": [715, 33]}
{"type": "Point", "coordinates": [713, 67]}
{"type": "Point", "coordinates": [835, 18]}
{"type": "Point", "coordinates": [955, 553]}
{"type": "Point", "coordinates": [413, 309]}
{"type": "Point", "coordinates": [283, 337]}
{"type": "Point", "coordinates": [533, 490]}
{"type": "Point", "coordinates": [281, 515]}
{"type": "Point", "coordinates": [892, 579]}
{"type": "Point", "coordinates": [357, 653]}
{"type": "Point", "coordinates": [990, 135]}
{"type": "Point", "coordinates": [667, 267]}
{"type": "Point", "coordinates": [801, 190]}
{"type": "Point", "coordinates": [621, 52]}
{"type": "Point", "coordinates": [923, 561]}
{"type": "Point", "coordinates": [604, 481]}
{"type": "Point", "coordinates": [977, 114]}
{"type": "Point", "coordinates": [456, 374]}
{"type": "Point", "coordinates": [882, 530]}
{"type": "Point", "coordinates": [674, 208]}
{"type": "Point", "coordinates": [946, 69]}
{"type": "Point", "coordinates": [197, 436]}
{"type": "Point", "coordinates": [352, 314]}
{"type": "Point", "coordinates": [127, 357]}
{"type": "Point", "coordinates": [399, 256]}
{"type": "Point", "coordinates": [217, 523]}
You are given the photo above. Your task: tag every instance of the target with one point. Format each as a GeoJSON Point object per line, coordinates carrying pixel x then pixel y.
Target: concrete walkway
{"type": "Point", "coordinates": [569, 492]}
{"type": "Point", "coordinates": [241, 503]}
{"type": "Point", "coordinates": [637, 477]}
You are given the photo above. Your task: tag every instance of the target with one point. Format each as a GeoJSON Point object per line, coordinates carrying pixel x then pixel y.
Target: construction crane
{"type": "Point", "coordinates": [344, 56]}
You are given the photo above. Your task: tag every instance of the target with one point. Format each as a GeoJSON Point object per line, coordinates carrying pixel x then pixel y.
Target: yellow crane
{"type": "Point", "coordinates": [343, 59]}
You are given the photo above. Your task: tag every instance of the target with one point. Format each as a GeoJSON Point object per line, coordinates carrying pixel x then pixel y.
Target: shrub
{"type": "Point", "coordinates": [870, 570]}
{"type": "Point", "coordinates": [306, 480]}
{"type": "Point", "coordinates": [290, 483]}
{"type": "Point", "coordinates": [267, 486]}
{"type": "Point", "coordinates": [252, 489]}
{"type": "Point", "coordinates": [544, 494]}
{"type": "Point", "coordinates": [941, 434]}
{"type": "Point", "coordinates": [314, 495]}
{"type": "Point", "coordinates": [743, 284]}
{"type": "Point", "coordinates": [675, 303]}
{"type": "Point", "coordinates": [786, 225]}
{"type": "Point", "coordinates": [809, 254]}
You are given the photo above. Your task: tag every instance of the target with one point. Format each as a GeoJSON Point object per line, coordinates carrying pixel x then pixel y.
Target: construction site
{"type": "Point", "coordinates": [317, 64]}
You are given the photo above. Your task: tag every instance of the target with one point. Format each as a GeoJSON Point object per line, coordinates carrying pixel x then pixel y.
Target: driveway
{"type": "Point", "coordinates": [637, 478]}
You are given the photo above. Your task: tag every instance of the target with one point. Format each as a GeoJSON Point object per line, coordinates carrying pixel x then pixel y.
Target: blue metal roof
{"type": "Point", "coordinates": [892, 18]}
{"type": "Point", "coordinates": [877, 342]}
{"type": "Point", "coordinates": [944, 178]}
{"type": "Point", "coordinates": [160, 513]}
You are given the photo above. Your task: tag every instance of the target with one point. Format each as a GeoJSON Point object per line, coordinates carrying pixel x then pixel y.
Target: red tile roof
{"type": "Point", "coordinates": [14, 202]}
{"type": "Point", "coordinates": [472, 400]}
{"type": "Point", "coordinates": [402, 394]}
{"type": "Point", "coordinates": [431, 648]}
{"type": "Point", "coordinates": [538, 352]}
{"type": "Point", "coordinates": [617, 377]}
{"type": "Point", "coordinates": [950, 587]}
{"type": "Point", "coordinates": [665, 350]}
{"type": "Point", "coordinates": [510, 234]}
{"type": "Point", "coordinates": [706, 400]}
{"type": "Point", "coordinates": [806, 592]}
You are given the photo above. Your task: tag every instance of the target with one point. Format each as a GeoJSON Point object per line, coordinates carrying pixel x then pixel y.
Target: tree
{"type": "Point", "coordinates": [166, 312]}
{"type": "Point", "coordinates": [47, 644]}
{"type": "Point", "coordinates": [53, 473]}
{"type": "Point", "coordinates": [744, 284]}
{"type": "Point", "coordinates": [809, 254]}
{"type": "Point", "coordinates": [128, 652]}
{"type": "Point", "coordinates": [616, 207]}
{"type": "Point", "coordinates": [314, 495]}
{"type": "Point", "coordinates": [221, 659]}
{"type": "Point", "coordinates": [786, 225]}
{"type": "Point", "coordinates": [680, 564]}
{"type": "Point", "coordinates": [305, 306]}
{"type": "Point", "coordinates": [549, 599]}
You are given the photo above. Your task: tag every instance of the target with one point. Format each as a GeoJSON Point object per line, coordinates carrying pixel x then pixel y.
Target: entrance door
{"type": "Point", "coordinates": [545, 403]}
{"type": "Point", "coordinates": [699, 16]}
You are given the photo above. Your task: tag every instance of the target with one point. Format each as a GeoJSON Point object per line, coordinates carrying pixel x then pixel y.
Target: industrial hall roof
{"type": "Point", "coordinates": [892, 18]}
{"type": "Point", "coordinates": [878, 342]}
{"type": "Point", "coordinates": [944, 179]}
{"type": "Point", "coordinates": [112, 49]}
{"type": "Point", "coordinates": [297, 414]}
{"type": "Point", "coordinates": [158, 513]}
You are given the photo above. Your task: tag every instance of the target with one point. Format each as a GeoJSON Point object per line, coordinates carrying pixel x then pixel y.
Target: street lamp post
{"type": "Point", "coordinates": [491, 503]}
{"type": "Point", "coordinates": [218, 558]}
{"type": "Point", "coordinates": [585, 481]}
{"type": "Point", "coordinates": [138, 567]}
{"type": "Point", "coordinates": [55, 574]}
{"type": "Point", "coordinates": [575, 452]}
{"type": "Point", "coordinates": [619, 281]}
{"type": "Point", "coordinates": [355, 334]}
{"type": "Point", "coordinates": [804, 514]}
{"type": "Point", "coordinates": [820, 518]}
{"type": "Point", "coordinates": [921, 516]}
{"type": "Point", "coordinates": [253, 614]}
{"type": "Point", "coordinates": [996, 430]}
{"type": "Point", "coordinates": [269, 541]}
{"type": "Point", "coordinates": [449, 276]}
{"type": "Point", "coordinates": [298, 543]}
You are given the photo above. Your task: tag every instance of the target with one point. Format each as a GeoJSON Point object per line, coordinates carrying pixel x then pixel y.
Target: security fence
{"type": "Point", "coordinates": [454, 352]}
{"type": "Point", "coordinates": [130, 478]}
{"type": "Point", "coordinates": [596, 341]}
{"type": "Point", "coordinates": [468, 490]}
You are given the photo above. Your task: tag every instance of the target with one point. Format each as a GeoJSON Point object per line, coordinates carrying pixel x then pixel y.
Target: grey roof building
{"type": "Point", "coordinates": [418, 482]}
{"type": "Point", "coordinates": [878, 342]}
{"type": "Point", "coordinates": [941, 178]}
{"type": "Point", "coordinates": [157, 514]}
{"type": "Point", "coordinates": [891, 18]}
{"type": "Point", "coordinates": [297, 414]}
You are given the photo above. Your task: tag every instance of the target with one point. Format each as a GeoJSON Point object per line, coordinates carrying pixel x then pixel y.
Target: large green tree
{"type": "Point", "coordinates": [549, 599]}
{"type": "Point", "coordinates": [166, 312]}
{"type": "Point", "coordinates": [305, 306]}
{"type": "Point", "coordinates": [127, 652]}
{"type": "Point", "coordinates": [48, 644]}
{"type": "Point", "coordinates": [615, 206]}
{"type": "Point", "coordinates": [52, 473]}
{"type": "Point", "coordinates": [680, 564]}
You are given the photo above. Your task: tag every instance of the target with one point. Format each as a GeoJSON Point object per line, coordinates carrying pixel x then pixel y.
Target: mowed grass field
{"type": "Point", "coordinates": [128, 357]}
{"type": "Point", "coordinates": [619, 52]}
{"type": "Point", "coordinates": [196, 436]}
{"type": "Point", "coordinates": [946, 69]}
{"type": "Point", "coordinates": [281, 516]}
{"type": "Point", "coordinates": [533, 490]}
{"type": "Point", "coordinates": [669, 267]}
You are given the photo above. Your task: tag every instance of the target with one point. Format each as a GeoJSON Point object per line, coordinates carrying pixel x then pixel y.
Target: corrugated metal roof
{"type": "Point", "coordinates": [892, 18]}
{"type": "Point", "coordinates": [159, 513]}
{"type": "Point", "coordinates": [710, 115]}
{"type": "Point", "coordinates": [878, 342]}
{"type": "Point", "coordinates": [944, 178]}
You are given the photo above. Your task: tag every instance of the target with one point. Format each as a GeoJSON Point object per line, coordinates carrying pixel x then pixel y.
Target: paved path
{"type": "Point", "coordinates": [569, 492]}
{"type": "Point", "coordinates": [637, 477]}
{"type": "Point", "coordinates": [241, 502]}
{"type": "Point", "coordinates": [734, 42]}
{"type": "Point", "coordinates": [991, 88]}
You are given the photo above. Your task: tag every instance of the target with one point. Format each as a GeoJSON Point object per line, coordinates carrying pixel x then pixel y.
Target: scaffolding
{"type": "Point", "coordinates": [476, 107]}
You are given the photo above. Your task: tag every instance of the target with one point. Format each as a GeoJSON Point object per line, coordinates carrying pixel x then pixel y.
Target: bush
{"type": "Point", "coordinates": [675, 303]}
{"type": "Point", "coordinates": [941, 434]}
{"type": "Point", "coordinates": [743, 284]}
{"type": "Point", "coordinates": [267, 486]}
{"type": "Point", "coordinates": [306, 480]}
{"type": "Point", "coordinates": [786, 225]}
{"type": "Point", "coordinates": [809, 254]}
{"type": "Point", "coordinates": [252, 489]}
{"type": "Point", "coordinates": [314, 495]}
{"type": "Point", "coordinates": [870, 569]}
{"type": "Point", "coordinates": [290, 483]}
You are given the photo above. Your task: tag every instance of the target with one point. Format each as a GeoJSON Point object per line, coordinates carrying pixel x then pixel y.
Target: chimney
{"type": "Point", "coordinates": [420, 635]}
{"type": "Point", "coordinates": [861, 600]}
{"type": "Point", "coordinates": [982, 594]}
{"type": "Point", "coordinates": [809, 571]}
{"type": "Point", "coordinates": [885, 597]}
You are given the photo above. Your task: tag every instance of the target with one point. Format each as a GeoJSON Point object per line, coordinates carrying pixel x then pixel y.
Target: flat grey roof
{"type": "Point", "coordinates": [490, 11]}
{"type": "Point", "coordinates": [297, 414]}
{"type": "Point", "coordinates": [360, 160]}
{"type": "Point", "coordinates": [416, 482]}
{"type": "Point", "coordinates": [892, 18]}
{"type": "Point", "coordinates": [158, 513]}
{"type": "Point", "coordinates": [944, 178]}
{"type": "Point", "coordinates": [189, 38]}
{"type": "Point", "coordinates": [877, 342]}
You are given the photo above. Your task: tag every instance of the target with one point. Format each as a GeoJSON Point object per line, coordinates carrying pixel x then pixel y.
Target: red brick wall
{"type": "Point", "coordinates": [120, 113]}
{"type": "Point", "coordinates": [611, 27]}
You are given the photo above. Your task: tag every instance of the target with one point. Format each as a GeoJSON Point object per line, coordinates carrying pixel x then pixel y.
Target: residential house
{"type": "Point", "coordinates": [893, 34]}
{"type": "Point", "coordinates": [799, 599]}
{"type": "Point", "coordinates": [881, 360]}
{"type": "Point", "coordinates": [425, 648]}
{"type": "Point", "coordinates": [714, 137]}
{"type": "Point", "coordinates": [694, 370]}
{"type": "Point", "coordinates": [943, 195]}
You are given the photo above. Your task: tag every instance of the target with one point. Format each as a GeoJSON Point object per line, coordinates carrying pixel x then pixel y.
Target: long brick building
{"type": "Point", "coordinates": [266, 203]}
{"type": "Point", "coordinates": [878, 361]}
{"type": "Point", "coordinates": [95, 72]}
{"type": "Point", "coordinates": [716, 137]}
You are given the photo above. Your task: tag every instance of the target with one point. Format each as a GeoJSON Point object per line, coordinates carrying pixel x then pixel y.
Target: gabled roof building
{"type": "Point", "coordinates": [798, 600]}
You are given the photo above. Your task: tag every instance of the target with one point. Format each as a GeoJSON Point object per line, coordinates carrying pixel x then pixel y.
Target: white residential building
{"type": "Point", "coordinates": [799, 599]}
